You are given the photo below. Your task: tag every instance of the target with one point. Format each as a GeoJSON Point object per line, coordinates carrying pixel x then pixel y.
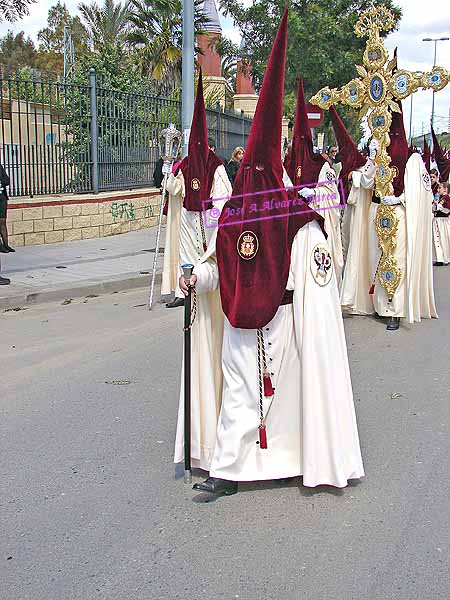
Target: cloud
{"type": "Point", "coordinates": [423, 20]}
{"type": "Point", "coordinates": [37, 19]}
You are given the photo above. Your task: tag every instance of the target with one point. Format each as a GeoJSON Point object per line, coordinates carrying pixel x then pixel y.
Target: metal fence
{"type": "Point", "coordinates": [63, 137]}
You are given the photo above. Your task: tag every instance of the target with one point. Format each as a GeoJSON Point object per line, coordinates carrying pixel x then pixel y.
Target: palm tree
{"type": "Point", "coordinates": [155, 35]}
{"type": "Point", "coordinates": [229, 54]}
{"type": "Point", "coordinates": [106, 23]}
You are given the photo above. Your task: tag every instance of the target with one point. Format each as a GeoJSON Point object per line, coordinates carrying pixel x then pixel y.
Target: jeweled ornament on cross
{"type": "Point", "coordinates": [375, 92]}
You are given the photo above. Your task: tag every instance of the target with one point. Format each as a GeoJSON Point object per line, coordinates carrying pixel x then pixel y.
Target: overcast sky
{"type": "Point", "coordinates": [429, 18]}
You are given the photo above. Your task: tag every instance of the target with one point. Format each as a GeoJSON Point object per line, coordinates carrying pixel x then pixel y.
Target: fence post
{"type": "Point", "coordinates": [94, 129]}
{"type": "Point", "coordinates": [218, 140]}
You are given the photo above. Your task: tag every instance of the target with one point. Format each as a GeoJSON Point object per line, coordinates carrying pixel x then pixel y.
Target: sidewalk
{"type": "Point", "coordinates": [75, 269]}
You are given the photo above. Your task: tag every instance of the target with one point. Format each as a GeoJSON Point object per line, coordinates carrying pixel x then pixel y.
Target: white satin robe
{"type": "Point", "coordinates": [327, 196]}
{"type": "Point", "coordinates": [414, 298]}
{"type": "Point", "coordinates": [441, 239]}
{"type": "Point", "coordinates": [355, 297]}
{"type": "Point", "coordinates": [311, 425]}
{"type": "Point", "coordinates": [171, 264]}
{"type": "Point", "coordinates": [206, 335]}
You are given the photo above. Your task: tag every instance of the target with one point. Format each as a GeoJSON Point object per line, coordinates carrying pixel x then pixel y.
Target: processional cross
{"type": "Point", "coordinates": [375, 92]}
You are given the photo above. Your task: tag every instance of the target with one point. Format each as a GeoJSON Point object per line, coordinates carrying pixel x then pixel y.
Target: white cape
{"type": "Point", "coordinates": [355, 297]}
{"type": "Point", "coordinates": [414, 298]}
{"type": "Point", "coordinates": [171, 265]}
{"type": "Point", "coordinates": [206, 336]}
{"type": "Point", "coordinates": [311, 426]}
{"type": "Point", "coordinates": [327, 203]}
{"type": "Point", "coordinates": [441, 240]}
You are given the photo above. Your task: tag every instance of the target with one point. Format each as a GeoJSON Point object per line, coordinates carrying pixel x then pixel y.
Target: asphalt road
{"type": "Point", "coordinates": [90, 505]}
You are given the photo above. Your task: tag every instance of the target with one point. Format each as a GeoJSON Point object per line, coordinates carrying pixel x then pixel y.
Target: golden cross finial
{"type": "Point", "coordinates": [379, 85]}
{"type": "Point", "coordinates": [375, 92]}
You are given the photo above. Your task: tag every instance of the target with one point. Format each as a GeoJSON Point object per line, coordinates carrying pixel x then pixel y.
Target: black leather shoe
{"type": "Point", "coordinates": [284, 481]}
{"type": "Point", "coordinates": [3, 249]}
{"type": "Point", "coordinates": [175, 303]}
{"type": "Point", "coordinates": [4, 281]}
{"type": "Point", "coordinates": [10, 249]}
{"type": "Point", "coordinates": [214, 485]}
{"type": "Point", "coordinates": [393, 324]}
{"type": "Point", "coordinates": [438, 264]}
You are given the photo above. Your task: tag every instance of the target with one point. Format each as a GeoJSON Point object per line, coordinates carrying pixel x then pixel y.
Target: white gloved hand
{"type": "Point", "coordinates": [307, 193]}
{"type": "Point", "coordinates": [390, 200]}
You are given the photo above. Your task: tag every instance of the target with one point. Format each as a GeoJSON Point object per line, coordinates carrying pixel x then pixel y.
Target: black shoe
{"type": "Point", "coordinates": [10, 249]}
{"type": "Point", "coordinates": [4, 249]}
{"type": "Point", "coordinates": [393, 324]}
{"type": "Point", "coordinates": [214, 485]}
{"type": "Point", "coordinates": [284, 481]}
{"type": "Point", "coordinates": [4, 281]}
{"type": "Point", "coordinates": [438, 264]}
{"type": "Point", "coordinates": [175, 303]}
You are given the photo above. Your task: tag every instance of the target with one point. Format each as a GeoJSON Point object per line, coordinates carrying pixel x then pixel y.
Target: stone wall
{"type": "Point", "coordinates": [49, 219]}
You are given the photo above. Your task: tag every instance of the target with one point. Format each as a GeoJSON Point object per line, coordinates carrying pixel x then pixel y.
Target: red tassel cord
{"type": "Point", "coordinates": [268, 387]}
{"type": "Point", "coordinates": [205, 247]}
{"type": "Point", "coordinates": [372, 289]}
{"type": "Point", "coordinates": [262, 437]}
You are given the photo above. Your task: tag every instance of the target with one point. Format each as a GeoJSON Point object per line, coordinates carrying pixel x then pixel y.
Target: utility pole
{"type": "Point", "coordinates": [435, 40]}
{"type": "Point", "coordinates": [187, 85]}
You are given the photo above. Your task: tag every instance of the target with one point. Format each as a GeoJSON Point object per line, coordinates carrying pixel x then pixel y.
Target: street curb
{"type": "Point", "coordinates": [78, 291]}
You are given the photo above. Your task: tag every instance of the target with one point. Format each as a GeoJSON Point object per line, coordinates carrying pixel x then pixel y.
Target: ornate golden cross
{"type": "Point", "coordinates": [375, 92]}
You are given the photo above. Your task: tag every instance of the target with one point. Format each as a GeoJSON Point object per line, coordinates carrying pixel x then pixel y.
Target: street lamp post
{"type": "Point", "coordinates": [435, 40]}
{"type": "Point", "coordinates": [187, 67]}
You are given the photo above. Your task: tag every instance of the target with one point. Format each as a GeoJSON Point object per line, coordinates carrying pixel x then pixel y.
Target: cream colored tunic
{"type": "Point", "coordinates": [326, 202]}
{"type": "Point", "coordinates": [441, 239]}
{"type": "Point", "coordinates": [355, 297]}
{"type": "Point", "coordinates": [414, 298]}
{"type": "Point", "coordinates": [171, 265]}
{"type": "Point", "coordinates": [311, 425]}
{"type": "Point", "coordinates": [206, 335]}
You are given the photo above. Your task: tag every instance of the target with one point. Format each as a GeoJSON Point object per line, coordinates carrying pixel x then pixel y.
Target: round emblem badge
{"type": "Point", "coordinates": [195, 184]}
{"type": "Point", "coordinates": [426, 180]}
{"type": "Point", "coordinates": [298, 171]}
{"type": "Point", "coordinates": [247, 245]}
{"type": "Point", "coordinates": [331, 176]}
{"type": "Point", "coordinates": [321, 264]}
{"type": "Point", "coordinates": [377, 90]}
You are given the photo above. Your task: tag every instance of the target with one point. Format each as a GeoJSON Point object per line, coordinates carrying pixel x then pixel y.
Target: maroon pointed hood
{"type": "Point", "coordinates": [398, 150]}
{"type": "Point", "coordinates": [200, 164]}
{"type": "Point", "coordinates": [443, 163]}
{"type": "Point", "coordinates": [264, 143]}
{"type": "Point", "coordinates": [304, 164]}
{"type": "Point", "coordinates": [426, 154]}
{"type": "Point", "coordinates": [351, 158]}
{"type": "Point", "coordinates": [258, 224]}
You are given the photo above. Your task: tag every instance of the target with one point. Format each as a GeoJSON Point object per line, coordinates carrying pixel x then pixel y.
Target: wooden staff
{"type": "Point", "coordinates": [187, 272]}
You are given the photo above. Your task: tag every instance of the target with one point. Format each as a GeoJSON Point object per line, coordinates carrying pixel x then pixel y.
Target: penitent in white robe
{"type": "Point", "coordinates": [327, 203]}
{"type": "Point", "coordinates": [311, 424]}
{"type": "Point", "coordinates": [441, 239]}
{"type": "Point", "coordinates": [414, 298]}
{"type": "Point", "coordinates": [206, 334]}
{"type": "Point", "coordinates": [171, 265]}
{"type": "Point", "coordinates": [355, 297]}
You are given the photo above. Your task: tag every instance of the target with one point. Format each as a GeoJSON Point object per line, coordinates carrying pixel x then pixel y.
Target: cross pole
{"type": "Point", "coordinates": [376, 92]}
